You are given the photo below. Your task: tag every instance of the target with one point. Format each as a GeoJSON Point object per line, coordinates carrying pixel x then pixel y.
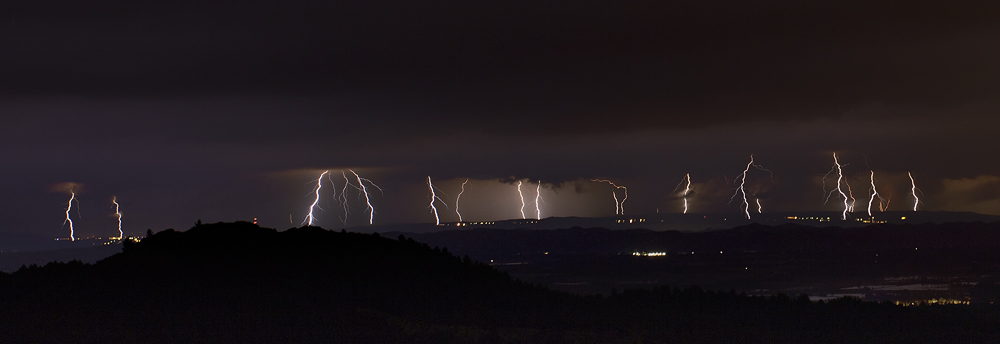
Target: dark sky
{"type": "Point", "coordinates": [229, 111]}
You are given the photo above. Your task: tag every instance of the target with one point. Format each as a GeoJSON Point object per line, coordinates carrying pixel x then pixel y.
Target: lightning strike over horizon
{"type": "Point", "coordinates": [619, 206]}
{"type": "Point", "coordinates": [740, 189]}
{"type": "Point", "coordinates": [687, 189]}
{"type": "Point", "coordinates": [874, 193]}
{"type": "Point", "coordinates": [458, 198]}
{"type": "Point", "coordinates": [430, 186]}
{"type": "Point", "coordinates": [319, 185]}
{"type": "Point", "coordinates": [840, 177]}
{"type": "Point", "coordinates": [69, 205]}
{"type": "Point", "coordinates": [371, 210]}
{"type": "Point", "coordinates": [118, 214]}
{"type": "Point", "coordinates": [522, 198]}
{"type": "Point", "coordinates": [538, 197]}
{"type": "Point", "coordinates": [913, 190]}
{"type": "Point", "coordinates": [343, 198]}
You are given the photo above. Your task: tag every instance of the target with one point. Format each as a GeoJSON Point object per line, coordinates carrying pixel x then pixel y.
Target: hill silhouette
{"type": "Point", "coordinates": [237, 282]}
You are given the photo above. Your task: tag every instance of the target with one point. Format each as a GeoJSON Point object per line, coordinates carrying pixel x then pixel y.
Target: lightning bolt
{"type": "Point", "coordinates": [758, 207]}
{"type": "Point", "coordinates": [538, 197]}
{"type": "Point", "coordinates": [368, 201]}
{"type": "Point", "coordinates": [840, 177]}
{"type": "Point", "coordinates": [874, 193]}
{"type": "Point", "coordinates": [118, 214]}
{"type": "Point", "coordinates": [343, 197]}
{"type": "Point", "coordinates": [522, 198]}
{"type": "Point", "coordinates": [430, 186]}
{"type": "Point", "coordinates": [619, 206]}
{"type": "Point", "coordinates": [687, 189]}
{"type": "Point", "coordinates": [741, 190]}
{"type": "Point", "coordinates": [69, 206]}
{"type": "Point", "coordinates": [319, 185]}
{"type": "Point", "coordinates": [850, 194]}
{"type": "Point", "coordinates": [913, 191]}
{"type": "Point", "coordinates": [459, 197]}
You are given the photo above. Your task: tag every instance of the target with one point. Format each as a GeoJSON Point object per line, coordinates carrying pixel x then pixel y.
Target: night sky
{"type": "Point", "coordinates": [230, 111]}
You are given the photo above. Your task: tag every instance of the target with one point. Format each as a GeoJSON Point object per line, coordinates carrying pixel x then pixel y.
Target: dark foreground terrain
{"type": "Point", "coordinates": [237, 282]}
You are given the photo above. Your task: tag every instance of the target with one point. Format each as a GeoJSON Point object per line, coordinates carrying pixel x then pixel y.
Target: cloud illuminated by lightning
{"type": "Point", "coordinates": [458, 198]}
{"type": "Point", "coordinates": [319, 185]}
{"type": "Point", "coordinates": [118, 214]}
{"type": "Point", "coordinates": [430, 186]}
{"type": "Point", "coordinates": [619, 206]}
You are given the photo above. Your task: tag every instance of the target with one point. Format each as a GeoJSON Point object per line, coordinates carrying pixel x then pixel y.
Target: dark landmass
{"type": "Point", "coordinates": [11, 261]}
{"type": "Point", "coordinates": [696, 222]}
{"type": "Point", "coordinates": [241, 283]}
{"type": "Point", "coordinates": [882, 262]}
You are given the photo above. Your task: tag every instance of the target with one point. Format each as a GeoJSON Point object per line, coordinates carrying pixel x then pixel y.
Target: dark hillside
{"type": "Point", "coordinates": [232, 283]}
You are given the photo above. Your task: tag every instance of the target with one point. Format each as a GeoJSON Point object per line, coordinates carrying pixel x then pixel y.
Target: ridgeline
{"type": "Point", "coordinates": [237, 282]}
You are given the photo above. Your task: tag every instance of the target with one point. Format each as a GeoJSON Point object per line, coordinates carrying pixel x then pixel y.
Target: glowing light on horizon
{"type": "Point", "coordinates": [913, 191]}
{"type": "Point", "coordinates": [319, 185]}
{"type": "Point", "coordinates": [619, 206]}
{"type": "Point", "coordinates": [538, 197]}
{"type": "Point", "coordinates": [430, 186]}
{"type": "Point", "coordinates": [69, 206]}
{"type": "Point", "coordinates": [459, 197]}
{"type": "Point", "coordinates": [118, 214]}
{"type": "Point", "coordinates": [522, 198]}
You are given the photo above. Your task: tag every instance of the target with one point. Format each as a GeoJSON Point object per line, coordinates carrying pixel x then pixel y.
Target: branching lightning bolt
{"type": "Point", "coordinates": [458, 198]}
{"type": "Point", "coordinates": [850, 194]}
{"type": "Point", "coordinates": [741, 191]}
{"type": "Point", "coordinates": [319, 185]}
{"type": "Point", "coordinates": [371, 210]}
{"type": "Point", "coordinates": [687, 189]}
{"type": "Point", "coordinates": [343, 197]}
{"type": "Point", "coordinates": [430, 186]}
{"type": "Point", "coordinates": [619, 206]}
{"type": "Point", "coordinates": [118, 214]}
{"type": "Point", "coordinates": [538, 197]}
{"type": "Point", "coordinates": [522, 198]}
{"type": "Point", "coordinates": [69, 205]}
{"type": "Point", "coordinates": [913, 191]}
{"type": "Point", "coordinates": [874, 193]}
{"type": "Point", "coordinates": [840, 177]}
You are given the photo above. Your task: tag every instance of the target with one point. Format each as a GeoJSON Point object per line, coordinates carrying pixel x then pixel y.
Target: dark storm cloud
{"type": "Point", "coordinates": [560, 65]}
{"type": "Point", "coordinates": [223, 111]}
